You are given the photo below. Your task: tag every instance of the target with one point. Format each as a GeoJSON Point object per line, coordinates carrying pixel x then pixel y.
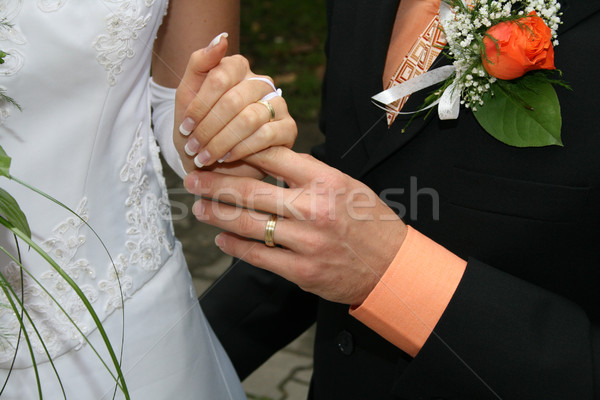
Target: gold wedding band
{"type": "Point", "coordinates": [270, 108]}
{"type": "Point", "coordinates": [270, 231]}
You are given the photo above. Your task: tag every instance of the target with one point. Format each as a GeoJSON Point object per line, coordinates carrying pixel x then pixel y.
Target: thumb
{"type": "Point", "coordinates": [201, 62]}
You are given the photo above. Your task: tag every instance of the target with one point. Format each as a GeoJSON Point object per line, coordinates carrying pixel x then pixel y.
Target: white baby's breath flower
{"type": "Point", "coordinates": [465, 31]}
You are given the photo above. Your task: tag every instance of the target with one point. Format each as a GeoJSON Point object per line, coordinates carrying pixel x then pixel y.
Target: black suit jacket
{"type": "Point", "coordinates": [523, 321]}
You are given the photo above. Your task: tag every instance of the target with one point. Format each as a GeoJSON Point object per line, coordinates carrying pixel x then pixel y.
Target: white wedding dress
{"type": "Point", "coordinates": [79, 69]}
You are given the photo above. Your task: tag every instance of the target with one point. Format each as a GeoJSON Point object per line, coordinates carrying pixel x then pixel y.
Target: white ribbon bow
{"type": "Point", "coordinates": [449, 101]}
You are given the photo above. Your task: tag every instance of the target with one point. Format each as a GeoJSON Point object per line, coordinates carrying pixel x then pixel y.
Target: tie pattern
{"type": "Point", "coordinates": [418, 60]}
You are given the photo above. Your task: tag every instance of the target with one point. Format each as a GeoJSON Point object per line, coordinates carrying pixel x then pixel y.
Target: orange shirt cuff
{"type": "Point", "coordinates": [412, 295]}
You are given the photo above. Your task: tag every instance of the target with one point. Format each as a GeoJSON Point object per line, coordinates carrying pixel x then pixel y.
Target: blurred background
{"type": "Point", "coordinates": [283, 39]}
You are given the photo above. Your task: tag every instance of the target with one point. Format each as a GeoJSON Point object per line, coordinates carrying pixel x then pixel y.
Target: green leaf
{"type": "Point", "coordinates": [522, 113]}
{"type": "Point", "coordinates": [10, 210]}
{"type": "Point", "coordinates": [4, 163]}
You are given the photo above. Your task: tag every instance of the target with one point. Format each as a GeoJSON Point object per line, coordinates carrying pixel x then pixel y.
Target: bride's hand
{"type": "Point", "coordinates": [218, 119]}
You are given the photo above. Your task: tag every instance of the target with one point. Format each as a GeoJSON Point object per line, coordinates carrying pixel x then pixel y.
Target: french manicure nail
{"type": "Point", "coordinates": [225, 158]}
{"type": "Point", "coordinates": [217, 40]}
{"type": "Point", "coordinates": [202, 158]}
{"type": "Point", "coordinates": [191, 147]}
{"type": "Point", "coordinates": [187, 126]}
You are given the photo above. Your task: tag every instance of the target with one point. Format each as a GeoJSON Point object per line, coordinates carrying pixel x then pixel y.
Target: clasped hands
{"type": "Point", "coordinates": [334, 236]}
{"type": "Point", "coordinates": [218, 115]}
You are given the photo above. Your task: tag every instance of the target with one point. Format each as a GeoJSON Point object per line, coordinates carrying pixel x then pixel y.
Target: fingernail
{"type": "Point", "coordinates": [187, 126]}
{"type": "Point", "coordinates": [198, 208]}
{"type": "Point", "coordinates": [191, 181]}
{"type": "Point", "coordinates": [225, 158]}
{"type": "Point", "coordinates": [191, 147]}
{"type": "Point", "coordinates": [219, 241]}
{"type": "Point", "coordinates": [202, 158]}
{"type": "Point", "coordinates": [217, 40]}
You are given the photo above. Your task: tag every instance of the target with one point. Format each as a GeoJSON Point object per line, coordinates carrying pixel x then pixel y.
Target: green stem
{"type": "Point", "coordinates": [37, 333]}
{"type": "Point", "coordinates": [12, 364]}
{"type": "Point", "coordinates": [81, 295]}
{"type": "Point", "coordinates": [16, 311]}
{"type": "Point", "coordinates": [52, 199]}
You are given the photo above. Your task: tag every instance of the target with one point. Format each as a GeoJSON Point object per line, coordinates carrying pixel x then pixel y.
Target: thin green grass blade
{"type": "Point", "coordinates": [77, 290]}
{"type": "Point", "coordinates": [12, 364]}
{"type": "Point", "coordinates": [52, 199]}
{"type": "Point", "coordinates": [92, 347]}
{"type": "Point", "coordinates": [16, 311]}
{"type": "Point", "coordinates": [112, 262]}
{"type": "Point", "coordinates": [37, 333]}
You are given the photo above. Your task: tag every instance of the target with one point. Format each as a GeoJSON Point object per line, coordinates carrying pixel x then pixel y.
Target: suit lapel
{"type": "Point", "coordinates": [405, 128]}
{"type": "Point", "coordinates": [374, 24]}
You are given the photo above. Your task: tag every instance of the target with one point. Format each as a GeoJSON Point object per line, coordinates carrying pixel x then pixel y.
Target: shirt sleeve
{"type": "Point", "coordinates": [412, 295]}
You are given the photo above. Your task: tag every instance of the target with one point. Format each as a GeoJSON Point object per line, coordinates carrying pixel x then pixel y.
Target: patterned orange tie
{"type": "Point", "coordinates": [418, 60]}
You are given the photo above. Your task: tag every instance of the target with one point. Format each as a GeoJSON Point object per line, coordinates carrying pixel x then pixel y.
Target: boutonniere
{"type": "Point", "coordinates": [502, 68]}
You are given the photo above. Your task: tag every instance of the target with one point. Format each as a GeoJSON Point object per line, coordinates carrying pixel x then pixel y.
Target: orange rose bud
{"type": "Point", "coordinates": [523, 45]}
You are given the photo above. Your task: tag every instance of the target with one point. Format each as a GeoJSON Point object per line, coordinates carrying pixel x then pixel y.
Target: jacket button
{"type": "Point", "coordinates": [345, 343]}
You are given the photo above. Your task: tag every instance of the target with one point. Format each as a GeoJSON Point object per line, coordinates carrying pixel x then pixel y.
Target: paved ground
{"type": "Point", "coordinates": [287, 373]}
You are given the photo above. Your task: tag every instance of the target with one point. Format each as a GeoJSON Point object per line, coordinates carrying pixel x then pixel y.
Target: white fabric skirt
{"type": "Point", "coordinates": [169, 351]}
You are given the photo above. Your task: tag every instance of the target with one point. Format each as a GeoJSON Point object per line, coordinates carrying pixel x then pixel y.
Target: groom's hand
{"type": "Point", "coordinates": [335, 236]}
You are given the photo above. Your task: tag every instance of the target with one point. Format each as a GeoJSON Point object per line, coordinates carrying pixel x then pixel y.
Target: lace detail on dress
{"type": "Point", "coordinates": [54, 326]}
{"type": "Point", "coordinates": [164, 205]}
{"type": "Point", "coordinates": [5, 107]}
{"type": "Point", "coordinates": [14, 60]}
{"type": "Point", "coordinates": [147, 236]}
{"type": "Point", "coordinates": [8, 31]}
{"type": "Point", "coordinates": [50, 5]}
{"type": "Point", "coordinates": [147, 246]}
{"type": "Point", "coordinates": [123, 26]}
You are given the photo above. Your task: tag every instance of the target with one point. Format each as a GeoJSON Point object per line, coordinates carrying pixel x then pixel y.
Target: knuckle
{"type": "Point", "coordinates": [267, 77]}
{"type": "Point", "coordinates": [243, 61]}
{"type": "Point", "coordinates": [250, 116]}
{"type": "Point", "coordinates": [266, 134]}
{"type": "Point", "coordinates": [323, 218]}
{"type": "Point", "coordinates": [236, 62]}
{"type": "Point", "coordinates": [271, 156]}
{"type": "Point", "coordinates": [336, 181]}
{"type": "Point", "coordinates": [197, 108]}
{"type": "Point", "coordinates": [313, 245]}
{"type": "Point", "coordinates": [238, 59]}
{"type": "Point", "coordinates": [233, 100]}
{"type": "Point", "coordinates": [246, 191]}
{"type": "Point", "coordinates": [218, 80]}
{"type": "Point", "coordinates": [291, 131]}
{"type": "Point", "coordinates": [216, 148]}
{"type": "Point", "coordinates": [246, 225]}
{"type": "Point", "coordinates": [256, 256]}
